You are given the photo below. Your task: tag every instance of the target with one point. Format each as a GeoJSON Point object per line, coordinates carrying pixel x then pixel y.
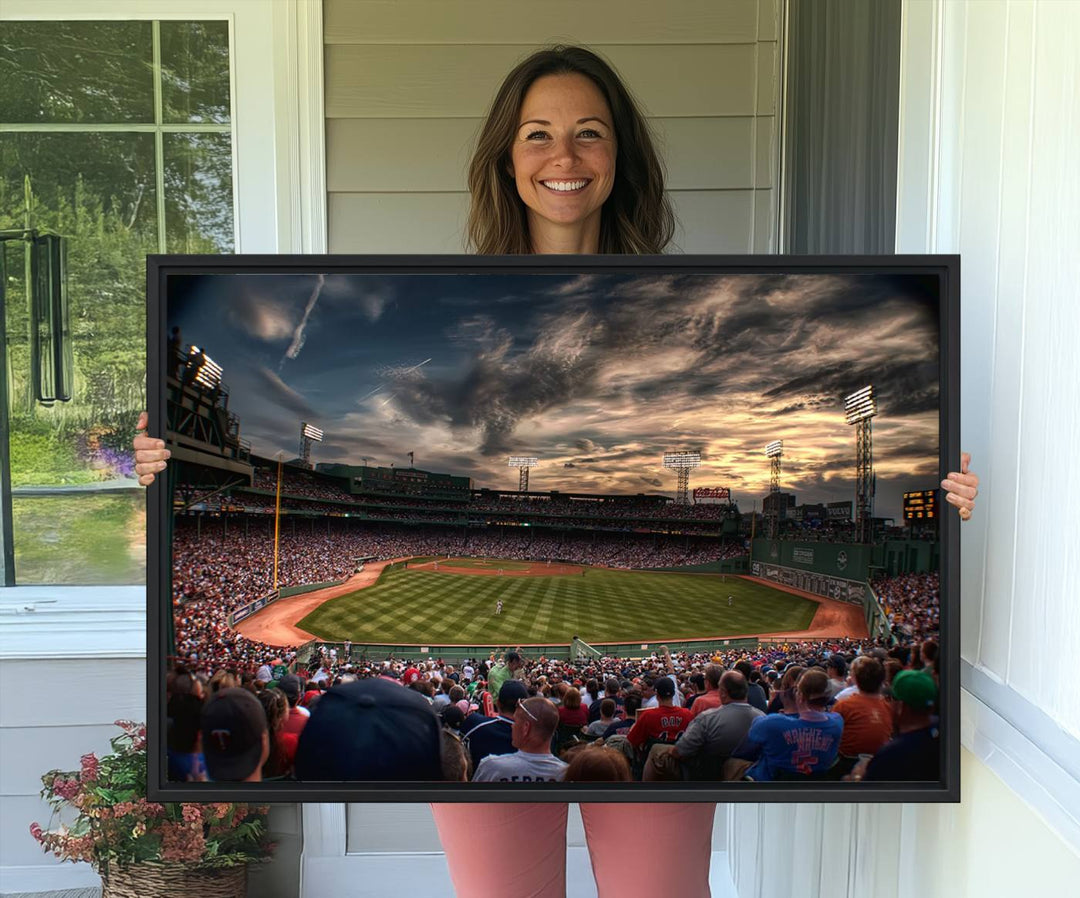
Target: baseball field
{"type": "Point", "coordinates": [455, 603]}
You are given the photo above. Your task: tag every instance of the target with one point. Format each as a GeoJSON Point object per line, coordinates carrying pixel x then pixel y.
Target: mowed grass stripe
{"type": "Point", "coordinates": [604, 606]}
{"type": "Point", "coordinates": [422, 607]}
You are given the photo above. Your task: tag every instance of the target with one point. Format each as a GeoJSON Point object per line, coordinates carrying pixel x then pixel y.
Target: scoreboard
{"type": "Point", "coordinates": [920, 506]}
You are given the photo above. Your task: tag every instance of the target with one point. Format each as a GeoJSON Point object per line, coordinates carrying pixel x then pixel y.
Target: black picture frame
{"type": "Point", "coordinates": [945, 268]}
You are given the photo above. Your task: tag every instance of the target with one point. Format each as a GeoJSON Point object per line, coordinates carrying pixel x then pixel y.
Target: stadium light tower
{"type": "Point", "coordinates": [682, 462]}
{"type": "Point", "coordinates": [774, 451]}
{"type": "Point", "coordinates": [522, 463]}
{"type": "Point", "coordinates": [308, 435]}
{"type": "Point", "coordinates": [202, 369]}
{"type": "Point", "coordinates": [860, 407]}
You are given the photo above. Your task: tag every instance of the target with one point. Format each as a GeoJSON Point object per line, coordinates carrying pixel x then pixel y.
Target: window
{"type": "Point", "coordinates": [118, 136]}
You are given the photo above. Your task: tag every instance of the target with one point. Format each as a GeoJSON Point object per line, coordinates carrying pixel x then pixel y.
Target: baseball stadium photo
{"type": "Point", "coordinates": [520, 527]}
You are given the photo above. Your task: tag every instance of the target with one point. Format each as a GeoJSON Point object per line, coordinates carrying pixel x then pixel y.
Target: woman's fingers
{"type": "Point", "coordinates": [150, 452]}
{"type": "Point", "coordinates": [961, 487]}
{"type": "Point", "coordinates": [964, 485]}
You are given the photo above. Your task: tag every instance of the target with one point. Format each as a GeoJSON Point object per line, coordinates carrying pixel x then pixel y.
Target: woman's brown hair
{"type": "Point", "coordinates": [637, 216]}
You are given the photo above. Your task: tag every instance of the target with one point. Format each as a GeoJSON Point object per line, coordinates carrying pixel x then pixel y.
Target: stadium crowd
{"type": "Point", "coordinates": [806, 711]}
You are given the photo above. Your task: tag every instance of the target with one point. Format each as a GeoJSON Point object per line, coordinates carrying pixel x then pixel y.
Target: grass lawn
{"type": "Point", "coordinates": [422, 607]}
{"type": "Point", "coordinates": [80, 540]}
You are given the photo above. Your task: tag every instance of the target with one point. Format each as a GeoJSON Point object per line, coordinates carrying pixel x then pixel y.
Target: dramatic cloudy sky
{"type": "Point", "coordinates": [597, 375]}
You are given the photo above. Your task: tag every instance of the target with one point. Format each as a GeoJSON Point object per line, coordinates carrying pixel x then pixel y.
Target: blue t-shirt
{"type": "Point", "coordinates": [789, 743]}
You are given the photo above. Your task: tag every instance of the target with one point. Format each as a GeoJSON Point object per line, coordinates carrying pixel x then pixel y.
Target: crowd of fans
{"type": "Point", "coordinates": [911, 603]}
{"type": "Point", "coordinates": [219, 568]}
{"type": "Point", "coordinates": [806, 711]}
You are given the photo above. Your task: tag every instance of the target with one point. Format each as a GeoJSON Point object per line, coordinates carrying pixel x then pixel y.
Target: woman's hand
{"type": "Point", "coordinates": [962, 487]}
{"type": "Point", "coordinates": [150, 454]}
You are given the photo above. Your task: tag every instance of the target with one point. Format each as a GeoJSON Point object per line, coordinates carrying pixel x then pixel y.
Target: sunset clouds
{"type": "Point", "coordinates": [598, 375]}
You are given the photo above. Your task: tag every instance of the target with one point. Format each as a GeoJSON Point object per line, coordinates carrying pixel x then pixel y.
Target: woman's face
{"type": "Point", "coordinates": [563, 154]}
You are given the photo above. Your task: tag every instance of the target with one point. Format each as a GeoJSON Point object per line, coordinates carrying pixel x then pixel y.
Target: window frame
{"type": "Point", "coordinates": [279, 205]}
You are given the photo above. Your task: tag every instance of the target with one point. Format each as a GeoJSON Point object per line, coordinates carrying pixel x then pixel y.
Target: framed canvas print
{"type": "Point", "coordinates": [543, 528]}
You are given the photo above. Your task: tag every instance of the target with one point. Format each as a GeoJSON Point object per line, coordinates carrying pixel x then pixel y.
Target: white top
{"type": "Point", "coordinates": [520, 767]}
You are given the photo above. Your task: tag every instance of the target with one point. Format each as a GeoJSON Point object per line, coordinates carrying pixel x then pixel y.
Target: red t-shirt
{"type": "Point", "coordinates": [706, 702]}
{"type": "Point", "coordinates": [659, 723]}
{"type": "Point", "coordinates": [867, 723]}
{"type": "Point", "coordinates": [296, 721]}
{"type": "Point", "coordinates": [576, 717]}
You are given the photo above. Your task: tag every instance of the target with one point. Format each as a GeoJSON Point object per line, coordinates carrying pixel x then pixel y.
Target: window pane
{"type": "Point", "coordinates": [76, 72]}
{"type": "Point", "coordinates": [195, 72]}
{"type": "Point", "coordinates": [198, 193]}
{"type": "Point", "coordinates": [82, 539]}
{"type": "Point", "coordinates": [98, 191]}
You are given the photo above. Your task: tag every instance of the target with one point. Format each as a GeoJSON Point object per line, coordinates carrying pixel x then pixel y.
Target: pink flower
{"type": "Point", "coordinates": [192, 813]}
{"type": "Point", "coordinates": [181, 842]}
{"type": "Point", "coordinates": [65, 788]}
{"type": "Point", "coordinates": [89, 767]}
{"type": "Point", "coordinates": [36, 832]}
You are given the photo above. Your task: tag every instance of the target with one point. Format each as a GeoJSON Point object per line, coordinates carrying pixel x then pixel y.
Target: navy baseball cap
{"type": "Point", "coordinates": [511, 692]}
{"type": "Point", "coordinates": [370, 730]}
{"type": "Point", "coordinates": [233, 722]}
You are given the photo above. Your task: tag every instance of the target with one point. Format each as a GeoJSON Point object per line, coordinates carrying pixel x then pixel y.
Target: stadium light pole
{"type": "Point", "coordinates": [682, 463]}
{"type": "Point", "coordinates": [522, 463]}
{"type": "Point", "coordinates": [308, 435]}
{"type": "Point", "coordinates": [860, 408]}
{"type": "Point", "coordinates": [774, 452]}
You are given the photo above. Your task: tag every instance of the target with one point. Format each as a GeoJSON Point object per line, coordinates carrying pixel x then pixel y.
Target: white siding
{"type": "Point", "coordinates": [408, 82]}
{"type": "Point", "coordinates": [989, 142]}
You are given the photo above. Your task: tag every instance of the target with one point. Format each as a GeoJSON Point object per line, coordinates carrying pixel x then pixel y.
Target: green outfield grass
{"type": "Point", "coordinates": [422, 607]}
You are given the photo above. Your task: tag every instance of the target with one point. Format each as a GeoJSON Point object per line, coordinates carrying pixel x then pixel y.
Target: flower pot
{"type": "Point", "coordinates": [173, 881]}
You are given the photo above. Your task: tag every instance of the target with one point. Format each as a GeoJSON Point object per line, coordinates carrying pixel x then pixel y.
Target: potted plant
{"type": "Point", "coordinates": [143, 848]}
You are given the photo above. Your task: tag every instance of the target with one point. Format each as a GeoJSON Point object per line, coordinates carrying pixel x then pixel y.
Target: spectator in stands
{"type": "Point", "coordinates": [784, 701]}
{"type": "Point", "coordinates": [697, 688]}
{"type": "Point", "coordinates": [662, 723]}
{"type": "Point", "coordinates": [235, 738]}
{"type": "Point", "coordinates": [710, 738]}
{"type": "Point", "coordinates": [371, 729]}
{"type": "Point", "coordinates": [915, 754]}
{"type": "Point", "coordinates": [711, 698]}
{"type": "Point", "coordinates": [868, 722]}
{"type": "Point", "coordinates": [183, 752]}
{"type": "Point", "coordinates": [279, 763]}
{"type": "Point", "coordinates": [534, 724]}
{"type": "Point", "coordinates": [597, 764]}
{"type": "Point", "coordinates": [607, 718]}
{"type": "Point", "coordinates": [485, 736]}
{"type": "Point", "coordinates": [792, 747]}
{"type": "Point", "coordinates": [612, 690]}
{"type": "Point", "coordinates": [572, 712]}
{"type": "Point", "coordinates": [506, 669]}
{"type": "Point", "coordinates": [755, 694]}
{"type": "Point", "coordinates": [457, 766]}
{"type": "Point", "coordinates": [631, 707]}
{"type": "Point", "coordinates": [836, 670]}
{"type": "Point", "coordinates": [297, 718]}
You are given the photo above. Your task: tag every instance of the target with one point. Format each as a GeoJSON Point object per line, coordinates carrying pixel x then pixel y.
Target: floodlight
{"type": "Point", "coordinates": [860, 405]}
{"type": "Point", "coordinates": [312, 433]}
{"type": "Point", "coordinates": [207, 371]}
{"type": "Point", "coordinates": [775, 449]}
{"type": "Point", "coordinates": [522, 463]}
{"type": "Point", "coordinates": [682, 459]}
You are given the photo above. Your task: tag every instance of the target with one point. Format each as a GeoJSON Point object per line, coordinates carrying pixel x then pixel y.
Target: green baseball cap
{"type": "Point", "coordinates": [915, 688]}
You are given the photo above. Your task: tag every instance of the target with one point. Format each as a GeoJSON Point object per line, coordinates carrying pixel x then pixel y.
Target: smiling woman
{"type": "Point", "coordinates": [562, 117]}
